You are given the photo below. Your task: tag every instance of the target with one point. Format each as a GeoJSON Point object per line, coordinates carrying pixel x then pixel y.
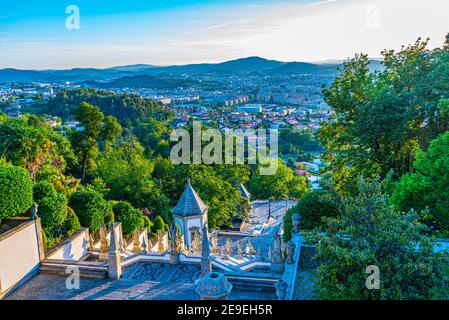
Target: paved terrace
{"type": "Point", "coordinates": [143, 281]}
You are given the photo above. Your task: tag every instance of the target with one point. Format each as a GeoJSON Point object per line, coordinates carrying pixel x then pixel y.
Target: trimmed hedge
{"type": "Point", "coordinates": [52, 205]}
{"type": "Point", "coordinates": [16, 191]}
{"type": "Point", "coordinates": [130, 217]}
{"type": "Point", "coordinates": [90, 207]}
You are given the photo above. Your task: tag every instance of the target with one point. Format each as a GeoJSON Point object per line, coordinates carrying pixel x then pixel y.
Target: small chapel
{"type": "Point", "coordinates": [190, 214]}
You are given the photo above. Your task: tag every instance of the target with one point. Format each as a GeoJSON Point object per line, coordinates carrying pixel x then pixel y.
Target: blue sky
{"type": "Point", "coordinates": [33, 33]}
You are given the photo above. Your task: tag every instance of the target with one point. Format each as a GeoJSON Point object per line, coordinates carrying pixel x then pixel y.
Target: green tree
{"type": "Point", "coordinates": [382, 118]}
{"type": "Point", "coordinates": [428, 186]}
{"type": "Point", "coordinates": [85, 141]}
{"type": "Point", "coordinates": [285, 183]}
{"type": "Point", "coordinates": [372, 233]}
{"type": "Point", "coordinates": [16, 191]}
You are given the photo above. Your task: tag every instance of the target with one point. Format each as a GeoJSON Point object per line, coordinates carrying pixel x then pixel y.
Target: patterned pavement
{"type": "Point", "coordinates": [139, 282]}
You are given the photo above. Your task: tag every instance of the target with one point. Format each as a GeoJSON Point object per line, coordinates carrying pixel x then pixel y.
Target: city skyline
{"type": "Point", "coordinates": [196, 31]}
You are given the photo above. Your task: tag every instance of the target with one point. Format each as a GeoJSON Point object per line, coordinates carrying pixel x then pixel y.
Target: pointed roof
{"type": "Point", "coordinates": [190, 203]}
{"type": "Point", "coordinates": [243, 192]}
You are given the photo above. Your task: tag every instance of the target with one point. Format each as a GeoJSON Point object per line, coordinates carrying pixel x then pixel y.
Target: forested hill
{"type": "Point", "coordinates": [122, 106]}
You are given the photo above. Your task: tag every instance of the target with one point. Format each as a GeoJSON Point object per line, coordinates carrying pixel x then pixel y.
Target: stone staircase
{"type": "Point", "coordinates": [64, 268]}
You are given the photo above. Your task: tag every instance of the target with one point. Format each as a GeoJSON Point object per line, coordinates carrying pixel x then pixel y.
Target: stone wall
{"type": "Point", "coordinates": [21, 251]}
{"type": "Point", "coordinates": [72, 249]}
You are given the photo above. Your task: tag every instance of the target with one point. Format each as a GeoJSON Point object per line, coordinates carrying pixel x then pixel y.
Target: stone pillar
{"type": "Point", "coordinates": [114, 257]}
{"type": "Point", "coordinates": [213, 286]}
{"type": "Point", "coordinates": [281, 289]}
{"type": "Point", "coordinates": [291, 246]}
{"type": "Point", "coordinates": [174, 253]}
{"type": "Point", "coordinates": [296, 219]}
{"type": "Point", "coordinates": [239, 249]}
{"type": "Point", "coordinates": [206, 262]}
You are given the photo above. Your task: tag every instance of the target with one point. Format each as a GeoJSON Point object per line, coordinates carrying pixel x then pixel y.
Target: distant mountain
{"type": "Point", "coordinates": [304, 68]}
{"type": "Point", "coordinates": [108, 75]}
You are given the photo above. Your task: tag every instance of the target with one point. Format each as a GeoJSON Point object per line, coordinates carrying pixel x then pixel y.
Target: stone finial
{"type": "Point", "coordinates": [250, 248]}
{"type": "Point", "coordinates": [160, 242]}
{"type": "Point", "coordinates": [281, 289]}
{"type": "Point", "coordinates": [259, 253]}
{"type": "Point", "coordinates": [296, 219]}
{"type": "Point", "coordinates": [213, 286]}
{"type": "Point", "coordinates": [34, 211]}
{"type": "Point", "coordinates": [229, 248]}
{"type": "Point", "coordinates": [104, 244]}
{"type": "Point", "coordinates": [239, 249]}
{"type": "Point", "coordinates": [173, 232]}
{"type": "Point", "coordinates": [137, 246]}
{"type": "Point", "coordinates": [206, 262]}
{"type": "Point", "coordinates": [114, 257]}
{"type": "Point", "coordinates": [277, 260]}
{"type": "Point", "coordinates": [90, 241]}
{"type": "Point", "coordinates": [214, 241]}
{"type": "Point", "coordinates": [291, 246]}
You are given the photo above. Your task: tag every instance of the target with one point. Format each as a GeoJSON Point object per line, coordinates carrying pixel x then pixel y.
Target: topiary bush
{"type": "Point", "coordinates": [130, 217]}
{"type": "Point", "coordinates": [90, 207]}
{"type": "Point", "coordinates": [52, 206]}
{"type": "Point", "coordinates": [160, 225]}
{"type": "Point", "coordinates": [71, 223]}
{"type": "Point", "coordinates": [147, 223]}
{"type": "Point", "coordinates": [16, 191]}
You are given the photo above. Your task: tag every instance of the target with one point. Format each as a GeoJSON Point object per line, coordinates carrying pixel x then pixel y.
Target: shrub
{"type": "Point", "coordinates": [109, 218]}
{"type": "Point", "coordinates": [52, 205]}
{"type": "Point", "coordinates": [71, 223]}
{"type": "Point", "coordinates": [130, 217]}
{"type": "Point", "coordinates": [147, 223]}
{"type": "Point", "coordinates": [16, 191]}
{"type": "Point", "coordinates": [90, 207]}
{"type": "Point", "coordinates": [159, 224]}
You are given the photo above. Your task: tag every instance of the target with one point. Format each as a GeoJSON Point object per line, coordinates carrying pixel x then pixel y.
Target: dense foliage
{"type": "Point", "coordinates": [371, 233]}
{"type": "Point", "coordinates": [427, 189]}
{"type": "Point", "coordinates": [382, 118]}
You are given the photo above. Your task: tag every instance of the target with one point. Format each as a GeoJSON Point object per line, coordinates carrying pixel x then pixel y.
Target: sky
{"type": "Point", "coordinates": [43, 35]}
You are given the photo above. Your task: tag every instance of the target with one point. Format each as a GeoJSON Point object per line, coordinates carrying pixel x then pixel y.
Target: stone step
{"type": "Point", "coordinates": [91, 272]}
